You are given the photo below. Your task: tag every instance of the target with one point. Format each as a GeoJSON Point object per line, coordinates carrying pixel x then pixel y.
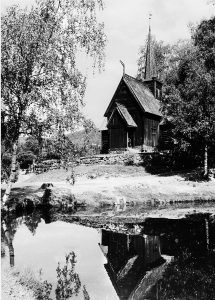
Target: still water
{"type": "Point", "coordinates": [110, 264]}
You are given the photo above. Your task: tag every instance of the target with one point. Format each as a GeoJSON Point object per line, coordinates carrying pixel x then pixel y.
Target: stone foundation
{"type": "Point", "coordinates": [125, 158]}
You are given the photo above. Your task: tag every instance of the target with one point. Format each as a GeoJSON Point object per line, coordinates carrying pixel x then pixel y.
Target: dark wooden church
{"type": "Point", "coordinates": [133, 115]}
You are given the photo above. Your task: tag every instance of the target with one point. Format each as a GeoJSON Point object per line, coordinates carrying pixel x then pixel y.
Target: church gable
{"type": "Point", "coordinates": [120, 113]}
{"type": "Point", "coordinates": [121, 96]}
{"type": "Point", "coordinates": [134, 94]}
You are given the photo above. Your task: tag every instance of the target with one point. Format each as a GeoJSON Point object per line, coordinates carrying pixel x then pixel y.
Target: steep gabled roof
{"type": "Point", "coordinates": [125, 114]}
{"type": "Point", "coordinates": [141, 93]}
{"type": "Point", "coordinates": [122, 110]}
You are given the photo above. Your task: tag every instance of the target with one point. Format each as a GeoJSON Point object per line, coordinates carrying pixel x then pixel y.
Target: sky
{"type": "Point", "coordinates": [126, 26]}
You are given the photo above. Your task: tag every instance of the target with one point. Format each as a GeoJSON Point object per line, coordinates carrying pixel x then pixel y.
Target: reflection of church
{"type": "Point", "coordinates": [129, 257]}
{"type": "Point", "coordinates": [135, 263]}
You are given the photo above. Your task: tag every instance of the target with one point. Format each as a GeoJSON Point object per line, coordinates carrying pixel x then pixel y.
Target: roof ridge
{"type": "Point", "coordinates": [138, 80]}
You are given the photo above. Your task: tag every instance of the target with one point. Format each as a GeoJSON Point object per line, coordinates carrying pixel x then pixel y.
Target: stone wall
{"type": "Point", "coordinates": [126, 158]}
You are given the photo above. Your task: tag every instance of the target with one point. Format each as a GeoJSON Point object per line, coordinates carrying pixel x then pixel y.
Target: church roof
{"type": "Point", "coordinates": [127, 117]}
{"type": "Point", "coordinates": [124, 114]}
{"type": "Point", "coordinates": [150, 66]}
{"type": "Point", "coordinates": [143, 95]}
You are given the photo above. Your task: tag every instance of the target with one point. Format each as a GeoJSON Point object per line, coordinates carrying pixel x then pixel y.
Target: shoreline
{"type": "Point", "coordinates": [119, 191]}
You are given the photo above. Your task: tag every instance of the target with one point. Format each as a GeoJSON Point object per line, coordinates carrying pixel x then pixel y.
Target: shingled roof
{"type": "Point", "coordinates": [124, 114]}
{"type": "Point", "coordinates": [142, 94]}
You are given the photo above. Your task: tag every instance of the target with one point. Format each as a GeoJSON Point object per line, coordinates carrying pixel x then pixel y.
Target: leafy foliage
{"type": "Point", "coordinates": [161, 52]}
{"type": "Point", "coordinates": [39, 53]}
{"type": "Point", "coordinates": [25, 159]}
{"type": "Point", "coordinates": [167, 58]}
{"type": "Point", "coordinates": [177, 159]}
{"type": "Point", "coordinates": [68, 282]}
{"type": "Point", "coordinates": [189, 278]}
{"type": "Point", "coordinates": [42, 86]}
{"type": "Point", "coordinates": [30, 144]}
{"type": "Point", "coordinates": [189, 99]}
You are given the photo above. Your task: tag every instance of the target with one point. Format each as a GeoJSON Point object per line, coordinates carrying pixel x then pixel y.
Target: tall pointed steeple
{"type": "Point", "coordinates": [150, 66]}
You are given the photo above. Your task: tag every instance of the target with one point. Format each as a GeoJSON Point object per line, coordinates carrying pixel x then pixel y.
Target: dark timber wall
{"type": "Point", "coordinates": [147, 130]}
{"type": "Point", "coordinates": [117, 133]}
{"type": "Point", "coordinates": [151, 131]}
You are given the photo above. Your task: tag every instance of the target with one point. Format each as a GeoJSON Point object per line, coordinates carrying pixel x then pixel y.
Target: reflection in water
{"type": "Point", "coordinates": [141, 266]}
{"type": "Point", "coordinates": [68, 281]}
{"type": "Point", "coordinates": [129, 257]}
{"type": "Point", "coordinates": [138, 266]}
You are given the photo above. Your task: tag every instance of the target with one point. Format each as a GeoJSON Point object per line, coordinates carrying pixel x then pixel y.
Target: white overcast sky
{"type": "Point", "coordinates": [126, 27]}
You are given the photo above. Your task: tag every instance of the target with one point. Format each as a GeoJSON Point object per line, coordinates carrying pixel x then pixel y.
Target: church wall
{"type": "Point", "coordinates": [151, 131]}
{"type": "Point", "coordinates": [138, 132]}
{"type": "Point", "coordinates": [125, 98]}
{"type": "Point", "coordinates": [147, 130]}
{"type": "Point", "coordinates": [118, 137]}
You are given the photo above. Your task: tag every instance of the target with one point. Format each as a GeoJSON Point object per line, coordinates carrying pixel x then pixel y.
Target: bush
{"type": "Point", "coordinates": [26, 159]}
{"type": "Point", "coordinates": [174, 160]}
{"type": "Point", "coordinates": [189, 278]}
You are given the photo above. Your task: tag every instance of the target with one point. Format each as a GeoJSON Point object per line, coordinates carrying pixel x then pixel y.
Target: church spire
{"type": "Point", "coordinates": [150, 67]}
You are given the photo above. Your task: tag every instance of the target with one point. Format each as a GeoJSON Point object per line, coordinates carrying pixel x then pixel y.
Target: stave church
{"type": "Point", "coordinates": [133, 114]}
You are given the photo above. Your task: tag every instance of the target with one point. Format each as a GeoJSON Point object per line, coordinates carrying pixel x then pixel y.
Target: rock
{"type": "Point", "coordinates": [92, 176]}
{"type": "Point", "coordinates": [58, 197]}
{"type": "Point", "coordinates": [46, 185]}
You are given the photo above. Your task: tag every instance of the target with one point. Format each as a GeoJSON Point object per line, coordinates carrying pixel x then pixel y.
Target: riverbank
{"type": "Point", "coordinates": [129, 189]}
{"type": "Point", "coordinates": [11, 288]}
{"type": "Point", "coordinates": [108, 197]}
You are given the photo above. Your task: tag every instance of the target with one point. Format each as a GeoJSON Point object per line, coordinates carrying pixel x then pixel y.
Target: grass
{"type": "Point", "coordinates": [88, 171]}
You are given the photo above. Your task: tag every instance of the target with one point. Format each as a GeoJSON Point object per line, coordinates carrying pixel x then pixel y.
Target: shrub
{"type": "Point", "coordinates": [26, 159]}
{"type": "Point", "coordinates": [173, 160]}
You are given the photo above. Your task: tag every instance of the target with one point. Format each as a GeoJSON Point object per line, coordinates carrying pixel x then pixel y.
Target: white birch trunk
{"type": "Point", "coordinates": [12, 174]}
{"type": "Point", "coordinates": [206, 161]}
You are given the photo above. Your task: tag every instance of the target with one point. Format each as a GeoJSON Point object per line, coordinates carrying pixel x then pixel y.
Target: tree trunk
{"type": "Point", "coordinates": [206, 161]}
{"type": "Point", "coordinates": [12, 173]}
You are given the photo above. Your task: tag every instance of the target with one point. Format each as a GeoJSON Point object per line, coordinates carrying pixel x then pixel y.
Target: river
{"type": "Point", "coordinates": [130, 261]}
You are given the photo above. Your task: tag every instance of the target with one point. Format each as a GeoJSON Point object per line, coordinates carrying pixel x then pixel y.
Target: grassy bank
{"type": "Point", "coordinates": [114, 190]}
{"type": "Point", "coordinates": [16, 285]}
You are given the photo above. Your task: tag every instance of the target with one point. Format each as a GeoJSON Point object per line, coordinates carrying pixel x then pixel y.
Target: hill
{"type": "Point", "coordinates": [81, 138]}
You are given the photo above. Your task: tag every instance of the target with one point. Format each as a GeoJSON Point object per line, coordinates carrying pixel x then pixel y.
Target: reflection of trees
{"type": "Point", "coordinates": [32, 222]}
{"type": "Point", "coordinates": [8, 230]}
{"type": "Point", "coordinates": [68, 282]}
{"type": "Point", "coordinates": [189, 278]}
{"type": "Point", "coordinates": [9, 227]}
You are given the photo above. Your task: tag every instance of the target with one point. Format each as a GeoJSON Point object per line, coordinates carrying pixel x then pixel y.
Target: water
{"type": "Point", "coordinates": [116, 265]}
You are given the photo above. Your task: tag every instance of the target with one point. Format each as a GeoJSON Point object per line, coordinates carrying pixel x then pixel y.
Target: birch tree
{"type": "Point", "coordinates": [40, 77]}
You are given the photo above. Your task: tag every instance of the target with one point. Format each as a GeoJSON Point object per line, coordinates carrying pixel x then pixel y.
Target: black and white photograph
{"type": "Point", "coordinates": [108, 149]}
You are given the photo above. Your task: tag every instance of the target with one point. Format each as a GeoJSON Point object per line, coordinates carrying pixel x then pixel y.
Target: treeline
{"type": "Point", "coordinates": [65, 148]}
{"type": "Point", "coordinates": [187, 70]}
